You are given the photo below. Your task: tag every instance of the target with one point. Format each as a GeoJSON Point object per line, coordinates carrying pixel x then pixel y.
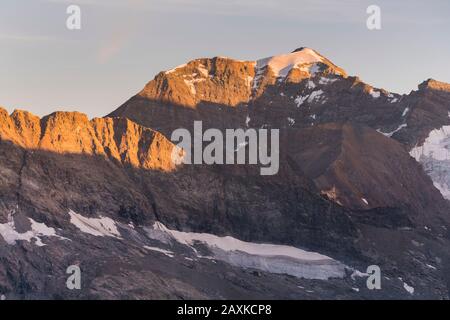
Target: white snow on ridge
{"type": "Point", "coordinates": [11, 235]}
{"type": "Point", "coordinates": [99, 227]}
{"type": "Point", "coordinates": [434, 155]}
{"type": "Point", "coordinates": [281, 65]}
{"type": "Point", "coordinates": [176, 68]}
{"type": "Point", "coordinates": [272, 258]}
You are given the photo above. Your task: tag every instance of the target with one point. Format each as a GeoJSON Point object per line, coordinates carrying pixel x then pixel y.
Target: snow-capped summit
{"type": "Point", "coordinates": [434, 85]}
{"type": "Point", "coordinates": [282, 64]}
{"type": "Point", "coordinates": [231, 82]}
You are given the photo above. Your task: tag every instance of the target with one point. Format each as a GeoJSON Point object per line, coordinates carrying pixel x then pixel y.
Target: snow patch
{"type": "Point", "coordinates": [272, 258]}
{"type": "Point", "coordinates": [281, 65]}
{"type": "Point", "coordinates": [315, 96]}
{"type": "Point", "coordinates": [325, 81]}
{"type": "Point", "coordinates": [165, 252]}
{"type": "Point", "coordinates": [99, 227]}
{"type": "Point", "coordinates": [392, 98]}
{"type": "Point", "coordinates": [176, 68]}
{"type": "Point", "coordinates": [405, 112]}
{"type": "Point", "coordinates": [408, 288]}
{"type": "Point", "coordinates": [11, 236]}
{"type": "Point", "coordinates": [291, 121]}
{"type": "Point", "coordinates": [314, 69]}
{"type": "Point", "coordinates": [191, 86]}
{"type": "Point", "coordinates": [374, 93]}
{"type": "Point", "coordinates": [359, 274]}
{"type": "Point", "coordinates": [247, 121]}
{"type": "Point", "coordinates": [390, 134]}
{"type": "Point", "coordinates": [310, 84]}
{"type": "Point", "coordinates": [300, 100]}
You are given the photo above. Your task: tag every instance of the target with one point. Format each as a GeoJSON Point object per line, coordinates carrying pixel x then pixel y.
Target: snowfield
{"type": "Point", "coordinates": [99, 227]}
{"type": "Point", "coordinates": [38, 230]}
{"type": "Point", "coordinates": [434, 155]}
{"type": "Point", "coordinates": [281, 65]}
{"type": "Point", "coordinates": [271, 258]}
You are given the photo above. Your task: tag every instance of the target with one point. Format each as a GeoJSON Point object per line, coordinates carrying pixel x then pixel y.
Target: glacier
{"type": "Point", "coordinates": [434, 155]}
{"type": "Point", "coordinates": [272, 258]}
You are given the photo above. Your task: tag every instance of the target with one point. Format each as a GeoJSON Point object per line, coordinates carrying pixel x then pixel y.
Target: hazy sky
{"type": "Point", "coordinates": [123, 43]}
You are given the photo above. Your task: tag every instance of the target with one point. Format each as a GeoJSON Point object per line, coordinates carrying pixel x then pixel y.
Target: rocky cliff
{"type": "Point", "coordinates": [117, 139]}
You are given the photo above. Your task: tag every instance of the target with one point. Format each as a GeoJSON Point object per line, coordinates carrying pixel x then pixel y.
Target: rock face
{"type": "Point", "coordinates": [364, 169]}
{"type": "Point", "coordinates": [218, 81]}
{"type": "Point", "coordinates": [104, 193]}
{"type": "Point", "coordinates": [118, 140]}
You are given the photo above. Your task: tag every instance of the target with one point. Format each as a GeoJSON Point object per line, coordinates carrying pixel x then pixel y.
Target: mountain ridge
{"type": "Point", "coordinates": [296, 98]}
{"type": "Point", "coordinates": [71, 132]}
{"type": "Point", "coordinates": [347, 187]}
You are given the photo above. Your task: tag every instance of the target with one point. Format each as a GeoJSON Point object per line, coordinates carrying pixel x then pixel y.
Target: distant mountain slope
{"type": "Point", "coordinates": [293, 91]}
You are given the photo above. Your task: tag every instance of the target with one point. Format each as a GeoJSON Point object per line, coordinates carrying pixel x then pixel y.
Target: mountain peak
{"type": "Point", "coordinates": [282, 64]}
{"type": "Point", "coordinates": [117, 139]}
{"type": "Point", "coordinates": [231, 82]}
{"type": "Point", "coordinates": [434, 85]}
{"type": "Point", "coordinates": [299, 49]}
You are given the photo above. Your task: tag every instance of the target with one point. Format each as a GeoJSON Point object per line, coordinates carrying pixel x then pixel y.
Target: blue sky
{"type": "Point", "coordinates": [123, 43]}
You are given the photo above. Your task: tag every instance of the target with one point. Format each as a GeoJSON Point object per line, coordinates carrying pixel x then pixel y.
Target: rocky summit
{"type": "Point", "coordinates": [364, 180]}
